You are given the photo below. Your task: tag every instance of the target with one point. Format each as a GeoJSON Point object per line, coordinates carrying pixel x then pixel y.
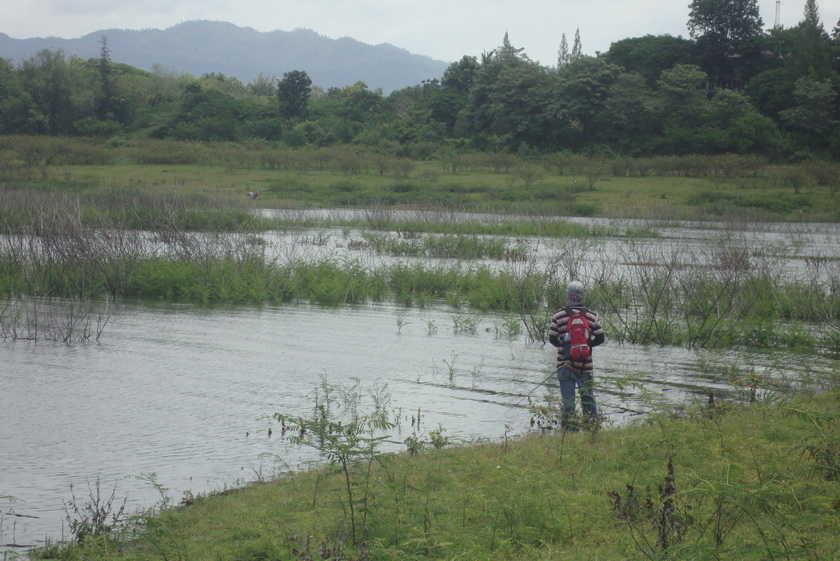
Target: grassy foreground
{"type": "Point", "coordinates": [720, 482]}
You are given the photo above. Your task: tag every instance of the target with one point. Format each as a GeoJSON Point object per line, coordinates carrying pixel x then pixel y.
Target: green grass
{"type": "Point", "coordinates": [718, 482]}
{"type": "Point", "coordinates": [694, 187]}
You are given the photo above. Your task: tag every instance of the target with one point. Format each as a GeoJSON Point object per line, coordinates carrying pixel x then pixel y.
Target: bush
{"type": "Point", "coordinates": [582, 209]}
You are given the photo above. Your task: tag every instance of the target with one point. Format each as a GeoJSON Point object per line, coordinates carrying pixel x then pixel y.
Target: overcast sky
{"type": "Point", "coordinates": [442, 29]}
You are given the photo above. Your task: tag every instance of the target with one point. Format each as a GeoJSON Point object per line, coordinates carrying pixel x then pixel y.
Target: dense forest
{"type": "Point", "coordinates": [731, 87]}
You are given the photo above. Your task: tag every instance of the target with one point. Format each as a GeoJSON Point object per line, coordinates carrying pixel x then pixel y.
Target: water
{"type": "Point", "coordinates": [186, 393]}
{"type": "Point", "coordinates": [804, 252]}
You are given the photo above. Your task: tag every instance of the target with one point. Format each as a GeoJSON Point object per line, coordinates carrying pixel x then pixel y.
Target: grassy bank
{"type": "Point", "coordinates": [718, 482]}
{"type": "Point", "coordinates": [687, 187]}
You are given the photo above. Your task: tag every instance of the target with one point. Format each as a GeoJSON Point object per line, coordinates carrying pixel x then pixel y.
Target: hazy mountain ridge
{"type": "Point", "coordinates": [202, 47]}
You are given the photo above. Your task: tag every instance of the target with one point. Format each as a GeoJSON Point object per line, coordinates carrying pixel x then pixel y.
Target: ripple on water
{"type": "Point", "coordinates": [183, 392]}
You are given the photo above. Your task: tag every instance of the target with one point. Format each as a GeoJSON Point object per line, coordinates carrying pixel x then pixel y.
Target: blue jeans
{"type": "Point", "coordinates": [570, 379]}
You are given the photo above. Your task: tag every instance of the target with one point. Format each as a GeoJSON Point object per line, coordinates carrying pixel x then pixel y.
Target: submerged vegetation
{"type": "Point", "coordinates": [203, 247]}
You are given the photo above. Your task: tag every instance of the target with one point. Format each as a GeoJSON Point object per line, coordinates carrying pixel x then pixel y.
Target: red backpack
{"type": "Point", "coordinates": [577, 336]}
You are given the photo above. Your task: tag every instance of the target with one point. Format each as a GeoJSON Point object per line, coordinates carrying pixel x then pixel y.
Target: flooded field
{"type": "Point", "coordinates": [182, 395]}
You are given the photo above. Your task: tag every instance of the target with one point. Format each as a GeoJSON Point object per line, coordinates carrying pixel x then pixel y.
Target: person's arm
{"type": "Point", "coordinates": [597, 334]}
{"type": "Point", "coordinates": [554, 332]}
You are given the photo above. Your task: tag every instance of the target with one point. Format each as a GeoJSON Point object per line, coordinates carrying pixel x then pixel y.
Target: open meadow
{"type": "Point", "coordinates": [675, 187]}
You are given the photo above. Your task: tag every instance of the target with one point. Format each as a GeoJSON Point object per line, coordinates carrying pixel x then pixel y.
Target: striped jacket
{"type": "Point", "coordinates": [559, 323]}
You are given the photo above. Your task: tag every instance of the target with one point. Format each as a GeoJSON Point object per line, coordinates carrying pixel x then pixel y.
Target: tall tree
{"type": "Point", "coordinates": [577, 48]}
{"type": "Point", "coordinates": [813, 114]}
{"type": "Point", "coordinates": [507, 53]}
{"type": "Point", "coordinates": [630, 112]}
{"type": "Point", "coordinates": [18, 111]}
{"type": "Point", "coordinates": [684, 108]}
{"type": "Point", "coordinates": [811, 55]}
{"type": "Point", "coordinates": [446, 103]}
{"type": "Point", "coordinates": [52, 82]}
{"type": "Point", "coordinates": [650, 55]}
{"type": "Point", "coordinates": [106, 89]}
{"type": "Point", "coordinates": [578, 105]}
{"type": "Point", "coordinates": [504, 101]}
{"type": "Point", "coordinates": [725, 30]}
{"type": "Point", "coordinates": [835, 45]}
{"type": "Point", "coordinates": [563, 56]}
{"type": "Point", "coordinates": [293, 94]}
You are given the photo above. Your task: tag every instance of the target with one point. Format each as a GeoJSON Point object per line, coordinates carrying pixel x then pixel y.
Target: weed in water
{"type": "Point", "coordinates": [464, 324]}
{"type": "Point", "coordinates": [401, 322]}
{"type": "Point", "coordinates": [99, 516]}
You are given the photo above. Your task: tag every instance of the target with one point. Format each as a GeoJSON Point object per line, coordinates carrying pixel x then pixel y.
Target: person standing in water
{"type": "Point", "coordinates": [574, 341]}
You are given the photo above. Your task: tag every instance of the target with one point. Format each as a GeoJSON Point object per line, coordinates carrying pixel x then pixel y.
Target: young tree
{"type": "Point", "coordinates": [263, 85]}
{"type": "Point", "coordinates": [735, 126]}
{"type": "Point", "coordinates": [293, 94]}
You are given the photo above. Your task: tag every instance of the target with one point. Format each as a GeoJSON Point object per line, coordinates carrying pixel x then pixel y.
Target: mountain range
{"type": "Point", "coordinates": [204, 47]}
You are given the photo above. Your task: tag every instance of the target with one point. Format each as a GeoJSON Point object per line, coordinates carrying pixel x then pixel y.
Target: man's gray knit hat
{"type": "Point", "coordinates": [574, 294]}
{"type": "Point", "coordinates": [575, 287]}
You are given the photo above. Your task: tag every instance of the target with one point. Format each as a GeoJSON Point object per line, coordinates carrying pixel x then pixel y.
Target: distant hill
{"type": "Point", "coordinates": [203, 47]}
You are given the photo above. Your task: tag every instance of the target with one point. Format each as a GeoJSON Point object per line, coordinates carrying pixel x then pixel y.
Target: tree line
{"type": "Point", "coordinates": [731, 87]}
